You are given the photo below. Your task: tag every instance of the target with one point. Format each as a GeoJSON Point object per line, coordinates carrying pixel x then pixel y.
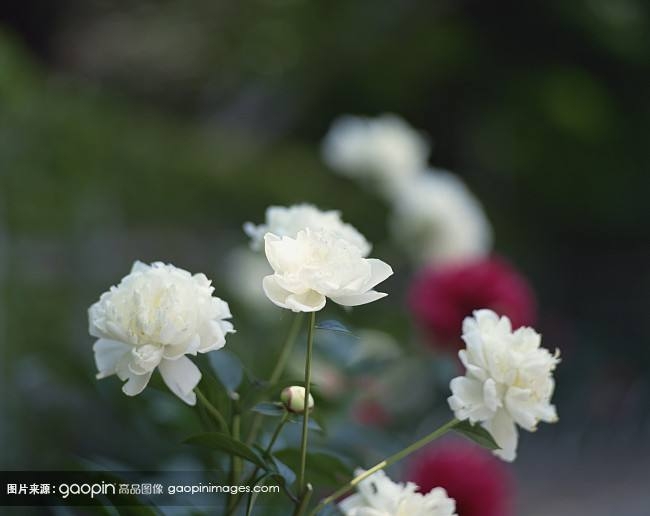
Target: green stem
{"type": "Point", "coordinates": [280, 365]}
{"type": "Point", "coordinates": [384, 464]}
{"type": "Point", "coordinates": [305, 415]}
{"type": "Point", "coordinates": [236, 462]}
{"type": "Point", "coordinates": [212, 410]}
{"type": "Point", "coordinates": [276, 434]}
{"type": "Point", "coordinates": [304, 501]}
{"type": "Point", "coordinates": [267, 451]}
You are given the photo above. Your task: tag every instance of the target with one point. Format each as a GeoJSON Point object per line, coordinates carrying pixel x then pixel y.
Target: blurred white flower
{"type": "Point", "coordinates": [508, 379]}
{"type": "Point", "coordinates": [294, 399]}
{"type": "Point", "coordinates": [437, 219]}
{"type": "Point", "coordinates": [378, 495]}
{"type": "Point", "coordinates": [245, 272]}
{"type": "Point", "coordinates": [287, 221]}
{"type": "Point", "coordinates": [153, 318]}
{"type": "Point", "coordinates": [385, 150]}
{"type": "Point", "coordinates": [316, 265]}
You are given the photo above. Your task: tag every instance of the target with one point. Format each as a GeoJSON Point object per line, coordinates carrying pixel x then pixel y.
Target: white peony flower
{"type": "Point", "coordinates": [153, 318]}
{"type": "Point", "coordinates": [378, 495]}
{"type": "Point", "coordinates": [383, 149]}
{"type": "Point", "coordinates": [437, 219]}
{"type": "Point", "coordinates": [508, 381]}
{"type": "Point", "coordinates": [283, 221]}
{"type": "Point", "coordinates": [316, 265]}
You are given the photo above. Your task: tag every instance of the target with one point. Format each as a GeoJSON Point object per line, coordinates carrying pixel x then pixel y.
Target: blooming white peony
{"type": "Point", "coordinates": [508, 381]}
{"type": "Point", "coordinates": [316, 265]}
{"type": "Point", "coordinates": [283, 221]}
{"type": "Point", "coordinates": [153, 318]}
{"type": "Point", "coordinates": [378, 495]}
{"type": "Point", "coordinates": [438, 220]}
{"type": "Point", "coordinates": [383, 149]}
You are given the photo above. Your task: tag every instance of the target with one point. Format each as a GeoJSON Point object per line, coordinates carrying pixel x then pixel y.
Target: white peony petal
{"type": "Point", "coordinates": [136, 384]}
{"type": "Point", "coordinates": [310, 301]}
{"type": "Point", "coordinates": [379, 271]}
{"type": "Point", "coordinates": [491, 396]}
{"type": "Point", "coordinates": [358, 299]}
{"type": "Point", "coordinates": [275, 292]}
{"type": "Point", "coordinates": [107, 355]}
{"type": "Point", "coordinates": [181, 376]}
{"type": "Point", "coordinates": [504, 431]}
{"type": "Point", "coordinates": [138, 266]}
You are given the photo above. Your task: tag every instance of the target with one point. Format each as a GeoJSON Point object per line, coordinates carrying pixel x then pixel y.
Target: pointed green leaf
{"type": "Point", "coordinates": [476, 433]}
{"type": "Point", "coordinates": [284, 471]}
{"type": "Point", "coordinates": [332, 325]}
{"type": "Point", "coordinates": [323, 468]}
{"type": "Point", "coordinates": [312, 424]}
{"type": "Point", "coordinates": [228, 368]}
{"type": "Point", "coordinates": [269, 409]}
{"type": "Point", "coordinates": [227, 444]}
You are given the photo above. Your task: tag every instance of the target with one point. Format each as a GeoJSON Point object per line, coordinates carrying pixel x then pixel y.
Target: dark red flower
{"type": "Point", "coordinates": [479, 482]}
{"type": "Point", "coordinates": [440, 298]}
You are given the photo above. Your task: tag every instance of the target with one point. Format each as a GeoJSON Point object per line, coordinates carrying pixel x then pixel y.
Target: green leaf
{"type": "Point", "coordinates": [476, 433]}
{"type": "Point", "coordinates": [323, 468]}
{"type": "Point", "coordinates": [332, 325]}
{"type": "Point", "coordinates": [228, 368]}
{"type": "Point", "coordinates": [227, 444]}
{"type": "Point", "coordinates": [312, 424]}
{"type": "Point", "coordinates": [269, 409]}
{"type": "Point", "coordinates": [285, 472]}
{"type": "Point", "coordinates": [252, 497]}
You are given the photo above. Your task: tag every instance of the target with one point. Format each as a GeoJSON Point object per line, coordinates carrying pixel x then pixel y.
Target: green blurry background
{"type": "Point", "coordinates": [153, 129]}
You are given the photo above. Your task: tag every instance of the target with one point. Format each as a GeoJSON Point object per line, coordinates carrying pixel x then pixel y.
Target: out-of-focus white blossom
{"type": "Point", "coordinates": [378, 495]}
{"type": "Point", "coordinates": [155, 316]}
{"type": "Point", "coordinates": [508, 380]}
{"type": "Point", "coordinates": [316, 265]}
{"type": "Point", "coordinates": [288, 221]}
{"type": "Point", "coordinates": [294, 399]}
{"type": "Point", "coordinates": [384, 150]}
{"type": "Point", "coordinates": [245, 271]}
{"type": "Point", "coordinates": [437, 219]}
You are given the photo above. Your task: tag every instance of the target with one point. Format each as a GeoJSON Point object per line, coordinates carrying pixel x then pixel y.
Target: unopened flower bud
{"type": "Point", "coordinates": [293, 399]}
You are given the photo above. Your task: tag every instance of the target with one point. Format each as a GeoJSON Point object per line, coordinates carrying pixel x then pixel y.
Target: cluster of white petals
{"type": "Point", "coordinates": [385, 149]}
{"type": "Point", "coordinates": [155, 316]}
{"type": "Point", "coordinates": [437, 219]}
{"type": "Point", "coordinates": [508, 380]}
{"type": "Point", "coordinates": [378, 495]}
{"type": "Point", "coordinates": [320, 264]}
{"type": "Point", "coordinates": [288, 221]}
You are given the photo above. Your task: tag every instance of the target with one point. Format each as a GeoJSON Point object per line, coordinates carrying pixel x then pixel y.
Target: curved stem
{"type": "Point", "coordinates": [305, 415]}
{"type": "Point", "coordinates": [267, 451]}
{"type": "Point", "coordinates": [280, 365]}
{"type": "Point", "coordinates": [304, 500]}
{"type": "Point", "coordinates": [212, 410]}
{"type": "Point", "coordinates": [384, 464]}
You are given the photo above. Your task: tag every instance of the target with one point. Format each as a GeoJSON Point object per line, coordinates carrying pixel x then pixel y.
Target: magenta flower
{"type": "Point", "coordinates": [480, 483]}
{"type": "Point", "coordinates": [440, 298]}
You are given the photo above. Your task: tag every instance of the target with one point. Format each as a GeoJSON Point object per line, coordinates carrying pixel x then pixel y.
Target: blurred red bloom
{"type": "Point", "coordinates": [371, 413]}
{"type": "Point", "coordinates": [440, 298]}
{"type": "Point", "coordinates": [479, 482]}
